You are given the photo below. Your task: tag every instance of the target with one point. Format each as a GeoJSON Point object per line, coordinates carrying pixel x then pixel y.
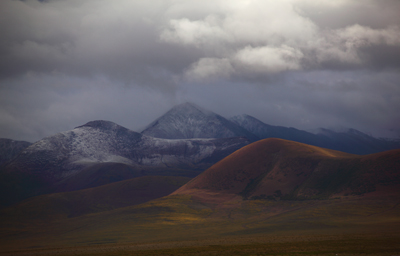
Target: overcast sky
{"type": "Point", "coordinates": [299, 63]}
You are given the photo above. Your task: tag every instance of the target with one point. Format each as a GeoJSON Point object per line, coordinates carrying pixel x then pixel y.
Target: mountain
{"type": "Point", "coordinates": [263, 130]}
{"type": "Point", "coordinates": [51, 163]}
{"type": "Point", "coordinates": [350, 141]}
{"type": "Point", "coordinates": [356, 142]}
{"type": "Point", "coordinates": [191, 121]}
{"type": "Point", "coordinates": [278, 169]}
{"type": "Point", "coordinates": [188, 120]}
{"type": "Point", "coordinates": [11, 148]}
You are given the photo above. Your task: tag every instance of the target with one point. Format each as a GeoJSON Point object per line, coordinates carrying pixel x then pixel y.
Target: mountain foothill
{"type": "Point", "coordinates": [193, 174]}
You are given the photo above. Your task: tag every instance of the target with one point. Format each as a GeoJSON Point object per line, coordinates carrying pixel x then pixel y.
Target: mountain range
{"type": "Point", "coordinates": [185, 141]}
{"type": "Point", "coordinates": [101, 152]}
{"type": "Point", "coordinates": [191, 121]}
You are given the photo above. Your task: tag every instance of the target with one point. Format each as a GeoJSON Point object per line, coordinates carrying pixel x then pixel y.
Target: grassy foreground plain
{"type": "Point", "coordinates": [178, 225]}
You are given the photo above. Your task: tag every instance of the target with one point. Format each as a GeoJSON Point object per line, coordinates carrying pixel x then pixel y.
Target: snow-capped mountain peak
{"type": "Point", "coordinates": [251, 123]}
{"type": "Point", "coordinates": [102, 124]}
{"type": "Point", "coordinates": [191, 121]}
{"type": "Point", "coordinates": [191, 109]}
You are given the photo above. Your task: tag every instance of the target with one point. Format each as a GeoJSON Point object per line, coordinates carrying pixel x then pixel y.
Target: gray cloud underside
{"type": "Point", "coordinates": [302, 63]}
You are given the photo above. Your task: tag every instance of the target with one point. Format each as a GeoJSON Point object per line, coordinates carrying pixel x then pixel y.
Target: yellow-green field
{"type": "Point", "coordinates": [356, 244]}
{"type": "Point", "coordinates": [179, 225]}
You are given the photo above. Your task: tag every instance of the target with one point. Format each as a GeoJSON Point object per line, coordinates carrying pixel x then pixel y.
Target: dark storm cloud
{"type": "Point", "coordinates": [309, 100]}
{"type": "Point", "coordinates": [36, 106]}
{"type": "Point", "coordinates": [301, 63]}
{"type": "Point", "coordinates": [86, 38]}
{"type": "Point", "coordinates": [271, 37]}
{"type": "Point", "coordinates": [339, 14]}
{"type": "Point", "coordinates": [133, 40]}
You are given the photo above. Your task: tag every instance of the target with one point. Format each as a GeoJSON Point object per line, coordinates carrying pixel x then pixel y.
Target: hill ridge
{"type": "Point", "coordinates": [279, 169]}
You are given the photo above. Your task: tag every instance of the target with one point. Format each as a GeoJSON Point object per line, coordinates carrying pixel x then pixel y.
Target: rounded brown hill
{"type": "Point", "coordinates": [281, 169]}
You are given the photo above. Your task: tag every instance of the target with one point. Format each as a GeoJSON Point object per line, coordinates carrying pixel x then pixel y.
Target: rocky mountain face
{"type": "Point", "coordinates": [187, 121]}
{"type": "Point", "coordinates": [10, 149]}
{"type": "Point", "coordinates": [350, 141]}
{"type": "Point", "coordinates": [46, 163]}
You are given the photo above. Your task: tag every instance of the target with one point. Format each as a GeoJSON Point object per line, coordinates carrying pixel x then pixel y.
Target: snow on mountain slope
{"type": "Point", "coordinates": [66, 153]}
{"type": "Point", "coordinates": [252, 124]}
{"type": "Point", "coordinates": [186, 153]}
{"type": "Point", "coordinates": [188, 120]}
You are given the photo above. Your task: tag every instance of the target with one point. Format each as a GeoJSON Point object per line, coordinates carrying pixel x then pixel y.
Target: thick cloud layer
{"type": "Point", "coordinates": [299, 63]}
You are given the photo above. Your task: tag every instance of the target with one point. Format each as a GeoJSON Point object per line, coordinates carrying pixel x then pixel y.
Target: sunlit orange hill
{"type": "Point", "coordinates": [279, 169]}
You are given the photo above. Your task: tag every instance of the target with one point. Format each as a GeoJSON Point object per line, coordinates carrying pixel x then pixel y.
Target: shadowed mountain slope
{"type": "Point", "coordinates": [102, 198]}
{"type": "Point", "coordinates": [356, 142]}
{"type": "Point", "coordinates": [264, 131]}
{"type": "Point", "coordinates": [186, 121]}
{"type": "Point", "coordinates": [350, 141]}
{"type": "Point", "coordinates": [11, 148]}
{"type": "Point", "coordinates": [279, 169]}
{"type": "Point", "coordinates": [105, 173]}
